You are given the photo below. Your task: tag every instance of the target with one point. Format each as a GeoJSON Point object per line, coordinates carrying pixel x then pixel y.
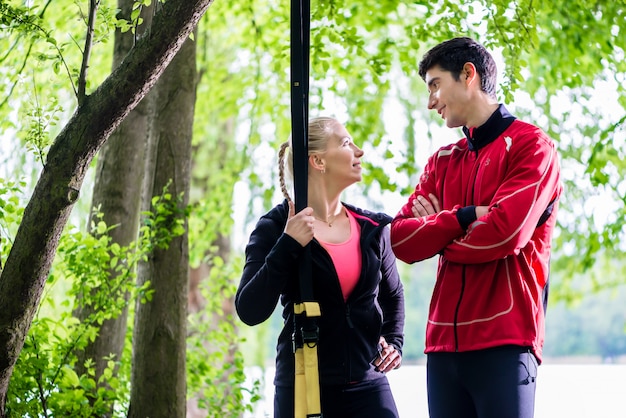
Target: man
{"type": "Point", "coordinates": [487, 206]}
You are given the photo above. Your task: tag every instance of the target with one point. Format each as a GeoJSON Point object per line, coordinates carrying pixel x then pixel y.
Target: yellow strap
{"type": "Point", "coordinates": [311, 373]}
{"type": "Point", "coordinates": [310, 308]}
{"type": "Point", "coordinates": [307, 385]}
{"type": "Point", "coordinates": [300, 385]}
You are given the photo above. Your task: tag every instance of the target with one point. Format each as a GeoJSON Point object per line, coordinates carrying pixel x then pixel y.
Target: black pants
{"type": "Point", "coordinates": [492, 383]}
{"type": "Point", "coordinates": [370, 399]}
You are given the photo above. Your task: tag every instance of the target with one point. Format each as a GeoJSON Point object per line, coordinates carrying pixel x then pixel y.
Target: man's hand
{"type": "Point", "coordinates": [424, 207]}
{"type": "Point", "coordinates": [481, 211]}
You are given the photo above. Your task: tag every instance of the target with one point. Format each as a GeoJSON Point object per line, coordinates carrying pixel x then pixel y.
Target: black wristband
{"type": "Point", "coordinates": [466, 216]}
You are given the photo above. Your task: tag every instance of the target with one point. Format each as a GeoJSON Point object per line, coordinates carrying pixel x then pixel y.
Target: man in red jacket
{"type": "Point", "coordinates": [487, 206]}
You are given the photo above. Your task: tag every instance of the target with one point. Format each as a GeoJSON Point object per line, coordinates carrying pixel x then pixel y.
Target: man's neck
{"type": "Point", "coordinates": [483, 111]}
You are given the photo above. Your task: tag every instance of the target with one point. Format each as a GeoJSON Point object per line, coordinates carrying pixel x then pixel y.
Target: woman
{"type": "Point", "coordinates": [354, 277]}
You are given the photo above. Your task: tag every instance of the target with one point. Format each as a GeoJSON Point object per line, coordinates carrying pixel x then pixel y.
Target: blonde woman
{"type": "Point", "coordinates": [354, 277]}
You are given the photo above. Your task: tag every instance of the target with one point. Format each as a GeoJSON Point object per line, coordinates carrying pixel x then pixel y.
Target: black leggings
{"type": "Point", "coordinates": [492, 383]}
{"type": "Point", "coordinates": [369, 399]}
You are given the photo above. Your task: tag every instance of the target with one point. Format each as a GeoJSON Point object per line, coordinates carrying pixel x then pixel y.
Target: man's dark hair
{"type": "Point", "coordinates": [452, 54]}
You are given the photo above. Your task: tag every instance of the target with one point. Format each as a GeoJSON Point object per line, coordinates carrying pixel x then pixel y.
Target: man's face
{"type": "Point", "coordinates": [448, 96]}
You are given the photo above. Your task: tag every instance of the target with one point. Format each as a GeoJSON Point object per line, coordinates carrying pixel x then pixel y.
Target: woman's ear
{"type": "Point", "coordinates": [317, 163]}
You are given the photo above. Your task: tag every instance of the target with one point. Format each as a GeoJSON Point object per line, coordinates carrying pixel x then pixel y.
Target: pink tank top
{"type": "Point", "coordinates": [346, 257]}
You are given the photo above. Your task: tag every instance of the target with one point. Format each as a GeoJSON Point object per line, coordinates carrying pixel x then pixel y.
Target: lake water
{"type": "Point", "coordinates": [563, 391]}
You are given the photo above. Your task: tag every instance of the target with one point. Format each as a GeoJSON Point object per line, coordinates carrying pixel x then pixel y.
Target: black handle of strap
{"type": "Point", "coordinates": [300, 45]}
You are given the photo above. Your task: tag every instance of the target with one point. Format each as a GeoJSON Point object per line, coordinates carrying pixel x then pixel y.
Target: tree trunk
{"type": "Point", "coordinates": [117, 194]}
{"type": "Point", "coordinates": [57, 189]}
{"type": "Point", "coordinates": [158, 379]}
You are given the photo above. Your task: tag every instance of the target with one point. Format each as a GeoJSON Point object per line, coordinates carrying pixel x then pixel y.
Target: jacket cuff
{"type": "Point", "coordinates": [466, 216]}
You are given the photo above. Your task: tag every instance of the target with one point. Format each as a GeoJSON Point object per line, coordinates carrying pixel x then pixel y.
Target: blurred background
{"type": "Point", "coordinates": [224, 101]}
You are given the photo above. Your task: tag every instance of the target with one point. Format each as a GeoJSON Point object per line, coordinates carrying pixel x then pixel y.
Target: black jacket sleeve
{"type": "Point", "coordinates": [271, 262]}
{"type": "Point", "coordinates": [391, 295]}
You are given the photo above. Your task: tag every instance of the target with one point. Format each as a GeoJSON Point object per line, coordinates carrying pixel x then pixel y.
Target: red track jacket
{"type": "Point", "coordinates": [492, 277]}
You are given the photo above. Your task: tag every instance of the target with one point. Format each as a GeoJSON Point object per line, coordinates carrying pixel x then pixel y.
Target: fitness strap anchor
{"type": "Point", "coordinates": [305, 331]}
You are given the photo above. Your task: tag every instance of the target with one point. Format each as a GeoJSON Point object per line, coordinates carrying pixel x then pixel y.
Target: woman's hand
{"type": "Point", "coordinates": [388, 357]}
{"type": "Point", "coordinates": [300, 225]}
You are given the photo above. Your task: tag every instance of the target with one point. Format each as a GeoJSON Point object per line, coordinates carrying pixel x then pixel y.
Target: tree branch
{"type": "Point", "coordinates": [91, 21]}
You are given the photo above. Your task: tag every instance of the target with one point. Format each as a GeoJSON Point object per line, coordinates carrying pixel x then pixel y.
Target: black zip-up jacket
{"type": "Point", "coordinates": [348, 331]}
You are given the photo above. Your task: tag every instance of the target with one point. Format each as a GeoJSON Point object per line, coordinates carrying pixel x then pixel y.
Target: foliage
{"type": "Point", "coordinates": [216, 379]}
{"type": "Point", "coordinates": [11, 211]}
{"type": "Point", "coordinates": [39, 69]}
{"type": "Point", "coordinates": [165, 221]}
{"type": "Point", "coordinates": [576, 51]}
{"type": "Point", "coordinates": [44, 382]}
{"type": "Point", "coordinates": [51, 42]}
{"type": "Point", "coordinates": [363, 62]}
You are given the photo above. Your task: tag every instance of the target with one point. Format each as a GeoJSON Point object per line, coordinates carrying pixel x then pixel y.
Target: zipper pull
{"type": "Point", "coordinates": [348, 318]}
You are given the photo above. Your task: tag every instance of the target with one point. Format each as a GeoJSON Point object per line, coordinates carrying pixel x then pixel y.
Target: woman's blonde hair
{"type": "Point", "coordinates": [320, 130]}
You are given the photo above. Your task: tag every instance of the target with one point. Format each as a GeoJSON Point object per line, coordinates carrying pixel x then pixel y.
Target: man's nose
{"type": "Point", "coordinates": [432, 101]}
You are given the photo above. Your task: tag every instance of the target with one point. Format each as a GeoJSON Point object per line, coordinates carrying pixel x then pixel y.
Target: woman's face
{"type": "Point", "coordinates": [342, 157]}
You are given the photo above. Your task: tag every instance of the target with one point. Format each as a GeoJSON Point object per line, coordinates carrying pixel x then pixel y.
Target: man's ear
{"type": "Point", "coordinates": [469, 73]}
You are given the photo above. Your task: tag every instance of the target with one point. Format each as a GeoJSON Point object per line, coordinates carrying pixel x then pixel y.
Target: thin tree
{"type": "Point", "coordinates": [158, 377]}
{"type": "Point", "coordinates": [117, 193]}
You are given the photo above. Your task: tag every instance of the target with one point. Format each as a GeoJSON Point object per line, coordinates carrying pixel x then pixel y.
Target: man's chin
{"type": "Point", "coordinates": [453, 124]}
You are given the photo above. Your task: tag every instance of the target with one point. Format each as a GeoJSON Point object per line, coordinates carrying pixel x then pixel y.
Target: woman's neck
{"type": "Point", "coordinates": [324, 208]}
{"type": "Point", "coordinates": [324, 197]}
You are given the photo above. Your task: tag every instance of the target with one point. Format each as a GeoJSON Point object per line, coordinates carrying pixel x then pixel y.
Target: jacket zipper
{"type": "Point", "coordinates": [458, 304]}
{"type": "Point", "coordinates": [348, 317]}
{"type": "Point", "coordinates": [456, 312]}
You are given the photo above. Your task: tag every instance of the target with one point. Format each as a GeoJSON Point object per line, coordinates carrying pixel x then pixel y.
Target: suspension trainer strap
{"type": "Point", "coordinates": [300, 97]}
{"type": "Point", "coordinates": [306, 386]}
{"type": "Point", "coordinates": [305, 337]}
